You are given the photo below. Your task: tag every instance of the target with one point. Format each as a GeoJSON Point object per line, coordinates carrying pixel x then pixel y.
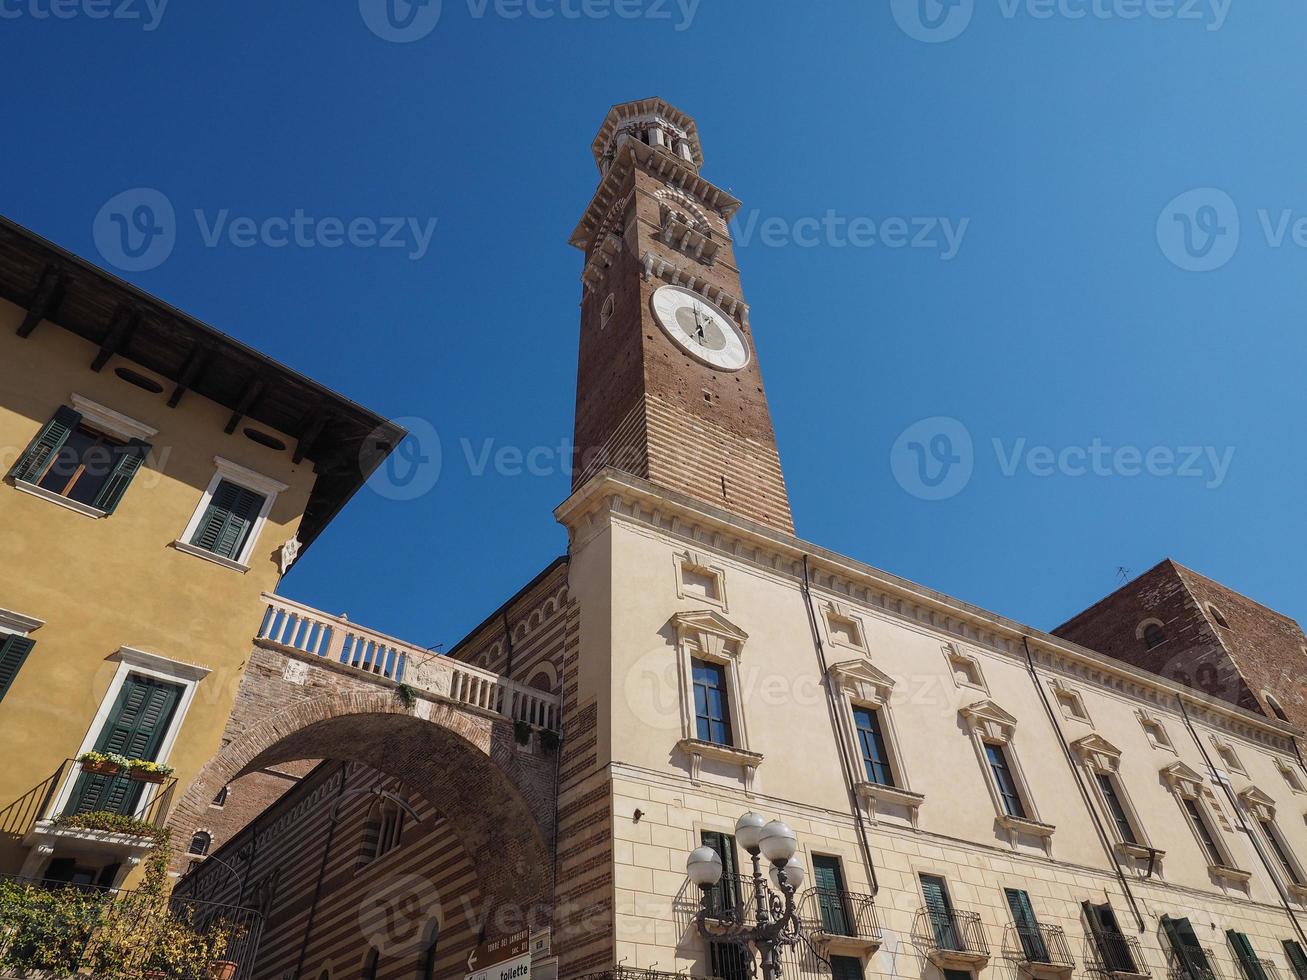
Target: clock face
{"type": "Point", "coordinates": [702, 329]}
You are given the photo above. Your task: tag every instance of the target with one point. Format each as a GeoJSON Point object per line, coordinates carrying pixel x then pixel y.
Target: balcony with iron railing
{"type": "Point", "coordinates": [1191, 963]}
{"type": "Point", "coordinates": [840, 921]}
{"type": "Point", "coordinates": [951, 939]}
{"type": "Point", "coordinates": [87, 810]}
{"type": "Point", "coordinates": [56, 929]}
{"type": "Point", "coordinates": [298, 630]}
{"type": "Point", "coordinates": [1116, 956]}
{"type": "Point", "coordinates": [1039, 950]}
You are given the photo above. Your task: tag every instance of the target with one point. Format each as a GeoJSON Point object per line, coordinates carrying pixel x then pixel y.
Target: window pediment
{"type": "Point", "coordinates": [990, 721]}
{"type": "Point", "coordinates": [1182, 779]}
{"type": "Point", "coordinates": [709, 632]}
{"type": "Point", "coordinates": [1098, 753]}
{"type": "Point", "coordinates": [862, 681]}
{"type": "Point", "coordinates": [1261, 806]}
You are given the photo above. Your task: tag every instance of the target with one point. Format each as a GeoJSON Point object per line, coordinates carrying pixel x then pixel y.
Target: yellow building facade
{"type": "Point", "coordinates": [156, 471]}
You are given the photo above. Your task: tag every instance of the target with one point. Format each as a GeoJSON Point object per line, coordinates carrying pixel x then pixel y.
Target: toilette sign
{"type": "Point", "coordinates": [508, 958]}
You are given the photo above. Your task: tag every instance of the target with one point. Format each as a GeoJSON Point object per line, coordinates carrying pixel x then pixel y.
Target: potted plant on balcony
{"type": "Point", "coordinates": [142, 770]}
{"type": "Point", "coordinates": [111, 823]}
{"type": "Point", "coordinates": [101, 764]}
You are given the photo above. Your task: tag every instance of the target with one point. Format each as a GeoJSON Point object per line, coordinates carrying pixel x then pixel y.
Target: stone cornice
{"type": "Point", "coordinates": [612, 492]}
{"type": "Point", "coordinates": [653, 160]}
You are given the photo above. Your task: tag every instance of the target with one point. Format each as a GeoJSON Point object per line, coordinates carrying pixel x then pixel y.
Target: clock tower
{"type": "Point", "coordinates": [668, 383]}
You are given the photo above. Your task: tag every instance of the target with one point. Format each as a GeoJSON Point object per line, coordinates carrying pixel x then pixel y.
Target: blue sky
{"type": "Point", "coordinates": [1072, 323]}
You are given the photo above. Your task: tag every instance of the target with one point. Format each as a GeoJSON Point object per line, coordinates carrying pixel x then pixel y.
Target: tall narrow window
{"type": "Point", "coordinates": [1116, 808]}
{"type": "Point", "coordinates": [1287, 863]}
{"type": "Point", "coordinates": [1189, 957]}
{"type": "Point", "coordinates": [370, 964]}
{"type": "Point", "coordinates": [712, 715]}
{"type": "Point", "coordinates": [1113, 949]}
{"type": "Point", "coordinates": [1204, 831]}
{"type": "Point", "coordinates": [1243, 951]}
{"type": "Point", "coordinates": [939, 906]}
{"type": "Point", "coordinates": [724, 897]}
{"type": "Point", "coordinates": [828, 881]}
{"type": "Point", "coordinates": [1027, 926]}
{"type": "Point", "coordinates": [1007, 786]}
{"type": "Point", "coordinates": [1297, 958]}
{"type": "Point", "coordinates": [871, 740]}
{"type": "Point", "coordinates": [430, 943]}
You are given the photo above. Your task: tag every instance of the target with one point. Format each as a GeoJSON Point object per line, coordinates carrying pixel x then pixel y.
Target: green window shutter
{"type": "Point", "coordinates": [13, 651]}
{"type": "Point", "coordinates": [1297, 958]}
{"type": "Point", "coordinates": [129, 462]}
{"type": "Point", "coordinates": [1027, 926]}
{"type": "Point", "coordinates": [135, 728]}
{"type": "Point", "coordinates": [846, 968]}
{"type": "Point", "coordinates": [227, 521]}
{"type": "Point", "coordinates": [1248, 962]}
{"type": "Point", "coordinates": [40, 454]}
{"type": "Point", "coordinates": [1189, 952]}
{"type": "Point", "coordinates": [940, 909]}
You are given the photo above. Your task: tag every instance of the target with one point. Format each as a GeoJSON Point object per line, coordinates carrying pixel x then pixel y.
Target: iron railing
{"type": "Point", "coordinates": [1117, 954]}
{"type": "Point", "coordinates": [732, 899]}
{"type": "Point", "coordinates": [630, 973]}
{"type": "Point", "coordinates": [949, 931]}
{"type": "Point", "coordinates": [1037, 945]}
{"type": "Point", "coordinates": [830, 912]}
{"type": "Point", "coordinates": [1191, 963]}
{"type": "Point", "coordinates": [66, 929]}
{"type": "Point", "coordinates": [73, 791]}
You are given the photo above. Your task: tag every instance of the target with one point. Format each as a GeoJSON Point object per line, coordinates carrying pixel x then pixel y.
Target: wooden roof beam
{"type": "Point", "coordinates": [124, 322]}
{"type": "Point", "coordinates": [248, 398]}
{"type": "Point", "coordinates": [49, 291]}
{"type": "Point", "coordinates": [191, 370]}
{"type": "Point", "coordinates": [309, 435]}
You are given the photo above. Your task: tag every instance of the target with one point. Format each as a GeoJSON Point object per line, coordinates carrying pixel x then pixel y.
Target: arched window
{"type": "Point", "coordinates": [1274, 705]}
{"type": "Point", "coordinates": [221, 798]}
{"type": "Point", "coordinates": [370, 964]}
{"type": "Point", "coordinates": [427, 964]}
{"type": "Point", "coordinates": [1217, 617]}
{"type": "Point", "coordinates": [383, 833]}
{"type": "Point", "coordinates": [1154, 635]}
{"type": "Point", "coordinates": [200, 843]}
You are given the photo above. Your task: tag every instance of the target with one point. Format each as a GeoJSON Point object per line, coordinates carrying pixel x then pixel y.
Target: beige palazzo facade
{"type": "Point", "coordinates": [973, 797]}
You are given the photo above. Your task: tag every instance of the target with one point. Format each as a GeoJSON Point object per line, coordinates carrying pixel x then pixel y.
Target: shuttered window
{"type": "Point", "coordinates": [871, 741]}
{"type": "Point", "coordinates": [1004, 781]}
{"type": "Point", "coordinates": [1297, 958]}
{"type": "Point", "coordinates": [13, 651]}
{"type": "Point", "coordinates": [1248, 962]}
{"type": "Point", "coordinates": [724, 897]}
{"type": "Point", "coordinates": [73, 460]}
{"type": "Point", "coordinates": [940, 909]}
{"type": "Point", "coordinates": [1190, 958]}
{"type": "Point", "coordinates": [228, 520]}
{"type": "Point", "coordinates": [1113, 950]}
{"type": "Point", "coordinates": [135, 728]}
{"type": "Point", "coordinates": [846, 968]}
{"type": "Point", "coordinates": [1027, 926]}
{"type": "Point", "coordinates": [712, 716]}
{"type": "Point", "coordinates": [828, 878]}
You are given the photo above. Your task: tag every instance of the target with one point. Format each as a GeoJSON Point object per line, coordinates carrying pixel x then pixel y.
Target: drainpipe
{"type": "Point", "coordinates": [1084, 793]}
{"type": "Point", "coordinates": [508, 646]}
{"type": "Point", "coordinates": [833, 708]}
{"type": "Point", "coordinates": [1243, 825]}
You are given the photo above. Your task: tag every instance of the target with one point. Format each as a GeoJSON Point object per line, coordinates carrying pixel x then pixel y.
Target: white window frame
{"type": "Point", "coordinates": [250, 480]}
{"type": "Point", "coordinates": [1229, 757]}
{"type": "Point", "coordinates": [1101, 757]}
{"type": "Point", "coordinates": [692, 561]}
{"type": "Point", "coordinates": [858, 684]}
{"type": "Point", "coordinates": [1185, 784]}
{"type": "Point", "coordinates": [145, 664]}
{"type": "Point", "coordinates": [709, 636]}
{"type": "Point", "coordinates": [954, 657]}
{"type": "Point", "coordinates": [1062, 693]}
{"type": "Point", "coordinates": [837, 612]}
{"type": "Point", "coordinates": [988, 724]}
{"type": "Point", "coordinates": [16, 624]}
{"type": "Point", "coordinates": [1146, 719]}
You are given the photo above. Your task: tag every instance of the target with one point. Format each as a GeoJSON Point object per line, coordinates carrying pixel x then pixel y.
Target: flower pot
{"type": "Point", "coordinates": [222, 970]}
{"type": "Point", "coordinates": [141, 776]}
{"type": "Point", "coordinates": [101, 768]}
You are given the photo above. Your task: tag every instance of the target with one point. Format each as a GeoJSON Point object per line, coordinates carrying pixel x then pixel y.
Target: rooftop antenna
{"type": "Point", "coordinates": [1122, 573]}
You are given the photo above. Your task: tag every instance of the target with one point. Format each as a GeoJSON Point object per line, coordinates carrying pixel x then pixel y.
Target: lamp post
{"type": "Point", "coordinates": [775, 925]}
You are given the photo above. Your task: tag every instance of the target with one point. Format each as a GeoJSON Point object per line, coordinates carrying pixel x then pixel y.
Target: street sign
{"type": "Point", "coordinates": [508, 958]}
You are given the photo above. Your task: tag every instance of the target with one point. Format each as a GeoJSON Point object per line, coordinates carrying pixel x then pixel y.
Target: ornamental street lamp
{"type": "Point", "coordinates": [776, 925]}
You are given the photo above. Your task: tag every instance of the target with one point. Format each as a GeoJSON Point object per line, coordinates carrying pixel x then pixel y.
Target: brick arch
{"type": "Point", "coordinates": [463, 763]}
